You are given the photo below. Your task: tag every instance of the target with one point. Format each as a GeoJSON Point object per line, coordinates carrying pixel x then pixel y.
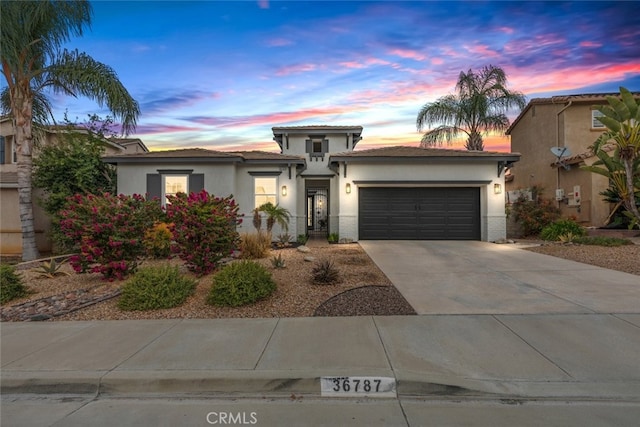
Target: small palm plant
{"type": "Point", "coordinates": [276, 214]}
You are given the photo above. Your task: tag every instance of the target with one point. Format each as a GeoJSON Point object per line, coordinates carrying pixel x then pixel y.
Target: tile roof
{"type": "Point", "coordinates": [180, 153]}
{"type": "Point", "coordinates": [266, 155]}
{"type": "Point", "coordinates": [314, 127]}
{"type": "Point", "coordinates": [578, 158]}
{"type": "Point", "coordinates": [202, 154]}
{"type": "Point", "coordinates": [597, 98]}
{"type": "Point", "coordinates": [412, 152]}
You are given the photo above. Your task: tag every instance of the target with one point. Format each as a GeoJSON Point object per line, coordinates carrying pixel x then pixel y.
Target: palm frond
{"type": "Point", "coordinates": [78, 73]}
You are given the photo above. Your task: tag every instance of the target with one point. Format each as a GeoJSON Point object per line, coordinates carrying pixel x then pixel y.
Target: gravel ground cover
{"type": "Point", "coordinates": [362, 290]}
{"type": "Point", "coordinates": [295, 296]}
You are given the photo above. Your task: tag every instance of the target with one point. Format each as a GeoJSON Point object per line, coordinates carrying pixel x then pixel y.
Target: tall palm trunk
{"type": "Point", "coordinates": [23, 111]}
{"type": "Point", "coordinates": [474, 142]}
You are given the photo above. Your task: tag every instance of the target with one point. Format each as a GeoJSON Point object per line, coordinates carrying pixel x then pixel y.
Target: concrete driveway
{"type": "Point", "coordinates": [469, 277]}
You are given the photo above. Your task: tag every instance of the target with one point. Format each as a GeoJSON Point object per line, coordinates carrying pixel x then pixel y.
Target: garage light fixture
{"type": "Point", "coordinates": [497, 189]}
{"type": "Point", "coordinates": [348, 188]}
{"type": "Point", "coordinates": [284, 190]}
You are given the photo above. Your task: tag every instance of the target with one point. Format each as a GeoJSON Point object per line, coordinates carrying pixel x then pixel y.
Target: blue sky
{"type": "Point", "coordinates": [219, 75]}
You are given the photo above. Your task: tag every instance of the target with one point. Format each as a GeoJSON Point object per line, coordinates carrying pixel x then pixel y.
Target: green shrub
{"type": "Point", "coordinates": [255, 245]}
{"type": "Point", "coordinates": [11, 286]}
{"type": "Point", "coordinates": [562, 227]}
{"type": "Point", "coordinates": [302, 239]}
{"type": "Point", "coordinates": [325, 273]}
{"type": "Point", "coordinates": [241, 283]}
{"type": "Point", "coordinates": [534, 215]}
{"type": "Point", "coordinates": [333, 238]}
{"type": "Point", "coordinates": [152, 288]}
{"type": "Point", "coordinates": [157, 240]}
{"type": "Point", "coordinates": [602, 241]}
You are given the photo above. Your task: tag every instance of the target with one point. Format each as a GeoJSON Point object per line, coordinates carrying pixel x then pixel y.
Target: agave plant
{"type": "Point", "coordinates": [51, 268]}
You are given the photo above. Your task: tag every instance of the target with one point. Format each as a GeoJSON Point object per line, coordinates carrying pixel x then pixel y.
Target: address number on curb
{"type": "Point", "coordinates": [358, 386]}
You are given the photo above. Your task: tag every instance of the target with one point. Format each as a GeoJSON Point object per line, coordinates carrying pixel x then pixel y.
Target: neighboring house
{"type": "Point", "coordinates": [566, 122]}
{"type": "Point", "coordinates": [10, 229]}
{"type": "Point", "coordinates": [328, 187]}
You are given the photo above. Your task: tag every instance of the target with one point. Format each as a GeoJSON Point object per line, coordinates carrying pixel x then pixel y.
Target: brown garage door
{"type": "Point", "coordinates": [436, 213]}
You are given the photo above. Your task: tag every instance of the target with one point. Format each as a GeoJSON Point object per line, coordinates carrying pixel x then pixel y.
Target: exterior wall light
{"type": "Point", "coordinates": [284, 190]}
{"type": "Point", "coordinates": [497, 189]}
{"type": "Point", "coordinates": [348, 188]}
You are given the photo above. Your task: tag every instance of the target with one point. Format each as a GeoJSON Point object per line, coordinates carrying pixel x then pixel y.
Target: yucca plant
{"type": "Point", "coordinates": [325, 273]}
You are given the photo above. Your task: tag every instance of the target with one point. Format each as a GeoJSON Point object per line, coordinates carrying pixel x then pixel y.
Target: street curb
{"type": "Point", "coordinates": [286, 383]}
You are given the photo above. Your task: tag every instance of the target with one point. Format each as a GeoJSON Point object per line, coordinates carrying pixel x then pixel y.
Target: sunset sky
{"type": "Point", "coordinates": [219, 75]}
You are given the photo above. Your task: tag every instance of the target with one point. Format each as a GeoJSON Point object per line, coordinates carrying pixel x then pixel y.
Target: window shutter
{"type": "Point", "coordinates": [196, 182]}
{"type": "Point", "coordinates": [325, 146]}
{"type": "Point", "coordinates": [309, 146]}
{"type": "Point", "coordinates": [154, 186]}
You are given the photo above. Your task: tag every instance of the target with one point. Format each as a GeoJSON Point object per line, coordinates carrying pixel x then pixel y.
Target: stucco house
{"type": "Point", "coordinates": [330, 187]}
{"type": "Point", "coordinates": [10, 229]}
{"type": "Point", "coordinates": [570, 123]}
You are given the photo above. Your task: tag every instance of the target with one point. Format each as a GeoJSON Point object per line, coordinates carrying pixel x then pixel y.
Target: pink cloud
{"type": "Point", "coordinates": [263, 4]}
{"type": "Point", "coordinates": [506, 30]}
{"type": "Point", "coordinates": [482, 50]}
{"type": "Point", "coordinates": [545, 80]}
{"type": "Point", "coordinates": [295, 69]}
{"type": "Point", "coordinates": [270, 119]}
{"type": "Point", "coordinates": [590, 44]}
{"type": "Point", "coordinates": [437, 61]}
{"type": "Point", "coordinates": [409, 54]}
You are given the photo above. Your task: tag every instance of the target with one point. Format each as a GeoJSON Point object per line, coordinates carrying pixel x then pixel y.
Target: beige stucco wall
{"type": "Point", "coordinates": [552, 125]}
{"type": "Point", "coordinates": [10, 228]}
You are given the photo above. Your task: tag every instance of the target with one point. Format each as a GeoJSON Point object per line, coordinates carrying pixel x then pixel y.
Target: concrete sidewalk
{"type": "Point", "coordinates": [569, 356]}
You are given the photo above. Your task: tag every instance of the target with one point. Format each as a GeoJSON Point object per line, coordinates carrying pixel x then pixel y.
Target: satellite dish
{"type": "Point", "coordinates": [560, 153]}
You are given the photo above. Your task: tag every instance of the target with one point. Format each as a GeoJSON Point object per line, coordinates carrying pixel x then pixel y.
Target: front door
{"type": "Point", "coordinates": [317, 211]}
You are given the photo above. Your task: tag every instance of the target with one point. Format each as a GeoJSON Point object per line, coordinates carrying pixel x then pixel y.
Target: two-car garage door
{"type": "Point", "coordinates": [421, 213]}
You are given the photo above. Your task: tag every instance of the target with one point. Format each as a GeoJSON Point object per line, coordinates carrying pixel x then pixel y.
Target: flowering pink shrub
{"type": "Point", "coordinates": [108, 231]}
{"type": "Point", "coordinates": [204, 229]}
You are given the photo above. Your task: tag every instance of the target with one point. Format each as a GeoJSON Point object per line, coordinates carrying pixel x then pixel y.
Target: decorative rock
{"type": "Point", "coordinates": [503, 241]}
{"type": "Point", "coordinates": [56, 305]}
{"type": "Point", "coordinates": [309, 258]}
{"type": "Point", "coordinates": [304, 249]}
{"type": "Point", "coordinates": [345, 240]}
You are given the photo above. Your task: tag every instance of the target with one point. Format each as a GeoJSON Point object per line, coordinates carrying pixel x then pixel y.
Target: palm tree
{"type": "Point", "coordinates": [622, 120]}
{"type": "Point", "coordinates": [276, 213]}
{"type": "Point", "coordinates": [479, 107]}
{"type": "Point", "coordinates": [32, 33]}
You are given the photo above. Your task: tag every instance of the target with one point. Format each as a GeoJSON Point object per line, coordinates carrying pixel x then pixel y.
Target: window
{"type": "Point", "coordinates": [265, 190]}
{"type": "Point", "coordinates": [173, 184]}
{"type": "Point", "coordinates": [8, 152]}
{"type": "Point", "coordinates": [595, 123]}
{"type": "Point", "coordinates": [317, 146]}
